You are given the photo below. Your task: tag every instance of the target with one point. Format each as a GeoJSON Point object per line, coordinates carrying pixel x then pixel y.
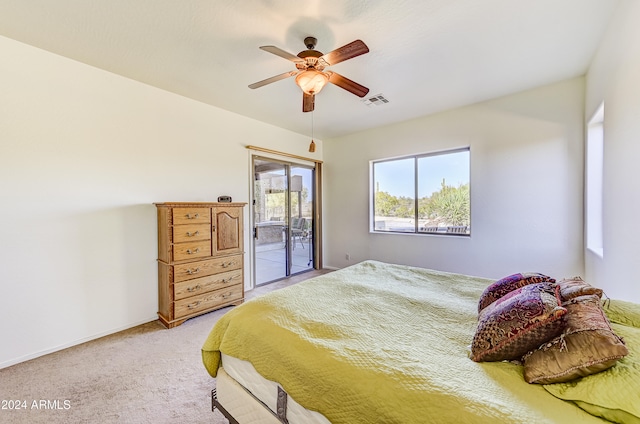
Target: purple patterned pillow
{"type": "Point", "coordinates": [508, 284]}
{"type": "Point", "coordinates": [518, 322]}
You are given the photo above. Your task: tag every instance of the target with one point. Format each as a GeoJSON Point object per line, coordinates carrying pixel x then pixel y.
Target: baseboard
{"type": "Point", "coordinates": [71, 344]}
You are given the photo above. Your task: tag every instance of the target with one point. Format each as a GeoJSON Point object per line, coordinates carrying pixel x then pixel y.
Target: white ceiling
{"type": "Point", "coordinates": [425, 55]}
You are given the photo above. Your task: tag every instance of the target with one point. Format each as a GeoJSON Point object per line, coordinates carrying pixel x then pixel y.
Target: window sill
{"type": "Point", "coordinates": [598, 251]}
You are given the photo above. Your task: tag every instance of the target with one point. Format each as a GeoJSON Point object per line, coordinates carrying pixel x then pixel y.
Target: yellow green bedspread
{"type": "Point", "coordinates": [382, 343]}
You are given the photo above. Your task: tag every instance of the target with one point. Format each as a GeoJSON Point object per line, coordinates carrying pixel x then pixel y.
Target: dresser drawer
{"type": "Point", "coordinates": [206, 301]}
{"type": "Point", "coordinates": [192, 232]}
{"type": "Point", "coordinates": [206, 284]}
{"type": "Point", "coordinates": [194, 250]}
{"type": "Point", "coordinates": [191, 216]}
{"type": "Point", "coordinates": [206, 267]}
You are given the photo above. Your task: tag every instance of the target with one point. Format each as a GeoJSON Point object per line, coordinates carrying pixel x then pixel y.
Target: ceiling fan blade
{"type": "Point", "coordinates": [308, 102]}
{"type": "Point", "coordinates": [279, 52]}
{"type": "Point", "coordinates": [353, 49]}
{"type": "Point", "coordinates": [273, 79]}
{"type": "Point", "coordinates": [347, 84]}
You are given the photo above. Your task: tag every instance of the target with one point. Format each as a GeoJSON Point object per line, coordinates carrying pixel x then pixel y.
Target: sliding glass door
{"type": "Point", "coordinates": [282, 219]}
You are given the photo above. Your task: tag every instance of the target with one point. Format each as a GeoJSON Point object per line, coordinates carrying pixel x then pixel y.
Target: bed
{"type": "Point", "coordinates": [386, 343]}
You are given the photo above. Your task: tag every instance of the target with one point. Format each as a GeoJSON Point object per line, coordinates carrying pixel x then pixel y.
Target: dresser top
{"type": "Point", "coordinates": [197, 204]}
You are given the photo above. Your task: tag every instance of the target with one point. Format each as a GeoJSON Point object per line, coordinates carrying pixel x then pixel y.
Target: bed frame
{"type": "Point", "coordinates": [215, 404]}
{"type": "Point", "coordinates": [280, 416]}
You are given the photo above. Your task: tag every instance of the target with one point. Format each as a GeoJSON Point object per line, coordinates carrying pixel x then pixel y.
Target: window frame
{"type": "Point", "coordinates": [594, 184]}
{"type": "Point", "coordinates": [416, 199]}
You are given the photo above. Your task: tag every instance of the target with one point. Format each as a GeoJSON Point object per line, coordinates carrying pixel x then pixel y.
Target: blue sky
{"type": "Point", "coordinates": [397, 177]}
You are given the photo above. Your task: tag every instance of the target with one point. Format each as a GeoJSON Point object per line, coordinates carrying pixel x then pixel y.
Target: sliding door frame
{"type": "Point", "coordinates": [255, 151]}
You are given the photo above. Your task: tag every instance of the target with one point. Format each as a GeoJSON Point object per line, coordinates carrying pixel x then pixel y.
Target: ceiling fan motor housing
{"type": "Point", "coordinates": [310, 55]}
{"type": "Point", "coordinates": [311, 60]}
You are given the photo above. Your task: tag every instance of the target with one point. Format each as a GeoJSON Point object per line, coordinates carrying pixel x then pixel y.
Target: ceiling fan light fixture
{"type": "Point", "coordinates": [312, 81]}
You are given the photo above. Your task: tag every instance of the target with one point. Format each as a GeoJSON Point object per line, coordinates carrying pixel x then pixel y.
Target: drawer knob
{"type": "Point", "coordinates": [191, 252]}
{"type": "Point", "coordinates": [192, 289]}
{"type": "Point", "coordinates": [195, 216]}
{"type": "Point", "coordinates": [193, 305]}
{"type": "Point", "coordinates": [190, 234]}
{"type": "Point", "coordinates": [193, 271]}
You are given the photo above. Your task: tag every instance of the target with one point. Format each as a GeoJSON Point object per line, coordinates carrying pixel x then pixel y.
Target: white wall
{"type": "Point", "coordinates": [83, 155]}
{"type": "Point", "coordinates": [526, 186]}
{"type": "Point", "coordinates": [614, 77]}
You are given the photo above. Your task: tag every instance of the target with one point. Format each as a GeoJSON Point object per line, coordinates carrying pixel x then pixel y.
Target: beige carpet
{"type": "Point", "coordinates": [147, 374]}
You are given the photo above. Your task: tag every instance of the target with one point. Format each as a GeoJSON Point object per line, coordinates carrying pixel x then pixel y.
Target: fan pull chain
{"type": "Point", "coordinates": [312, 146]}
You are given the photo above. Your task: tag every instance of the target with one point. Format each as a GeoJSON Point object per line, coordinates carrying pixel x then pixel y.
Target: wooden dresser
{"type": "Point", "coordinates": [200, 259]}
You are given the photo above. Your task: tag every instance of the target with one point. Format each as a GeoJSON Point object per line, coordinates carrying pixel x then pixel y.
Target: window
{"type": "Point", "coordinates": [426, 193]}
{"type": "Point", "coordinates": [594, 177]}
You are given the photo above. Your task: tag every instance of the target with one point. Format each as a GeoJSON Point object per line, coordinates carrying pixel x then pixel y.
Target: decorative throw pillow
{"type": "Point", "coordinates": [508, 284]}
{"type": "Point", "coordinates": [573, 287]}
{"type": "Point", "coordinates": [518, 322]}
{"type": "Point", "coordinates": [613, 394]}
{"type": "Point", "coordinates": [587, 346]}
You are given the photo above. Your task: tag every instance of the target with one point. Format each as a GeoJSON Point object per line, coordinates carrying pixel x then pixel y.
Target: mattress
{"type": "Point", "coordinates": [266, 391]}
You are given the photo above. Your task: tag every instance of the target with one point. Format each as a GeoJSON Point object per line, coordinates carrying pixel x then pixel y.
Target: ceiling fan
{"type": "Point", "coordinates": [310, 74]}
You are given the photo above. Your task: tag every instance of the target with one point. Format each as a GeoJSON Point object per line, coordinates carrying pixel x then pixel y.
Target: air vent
{"type": "Point", "coordinates": [377, 100]}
